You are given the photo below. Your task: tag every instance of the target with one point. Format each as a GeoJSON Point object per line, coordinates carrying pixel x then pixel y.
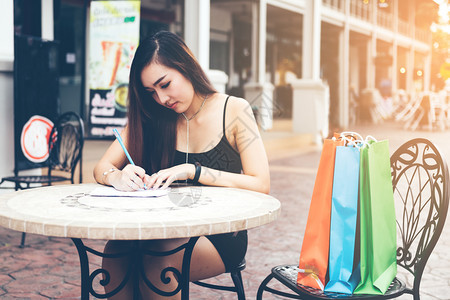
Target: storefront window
{"type": "Point", "coordinates": [27, 17]}
{"type": "Point", "coordinates": [68, 31]}
{"type": "Point", "coordinates": [149, 27]}
{"type": "Point", "coordinates": [219, 56]}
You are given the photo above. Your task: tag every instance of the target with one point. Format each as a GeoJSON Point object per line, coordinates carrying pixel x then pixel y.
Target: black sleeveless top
{"type": "Point", "coordinates": [231, 246]}
{"type": "Point", "coordinates": [222, 157]}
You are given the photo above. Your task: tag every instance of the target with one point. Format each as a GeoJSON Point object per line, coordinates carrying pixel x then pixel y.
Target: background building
{"type": "Point", "coordinates": [296, 59]}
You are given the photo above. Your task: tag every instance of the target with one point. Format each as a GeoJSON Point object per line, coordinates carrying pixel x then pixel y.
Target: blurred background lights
{"type": "Point", "coordinates": [419, 73]}
{"type": "Point", "coordinates": [444, 17]}
{"type": "Point", "coordinates": [382, 3]}
{"type": "Point", "coordinates": [402, 70]}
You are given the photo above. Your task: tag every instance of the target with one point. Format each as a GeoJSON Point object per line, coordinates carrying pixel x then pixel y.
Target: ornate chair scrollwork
{"type": "Point", "coordinates": [420, 180]}
{"type": "Point", "coordinates": [136, 272]}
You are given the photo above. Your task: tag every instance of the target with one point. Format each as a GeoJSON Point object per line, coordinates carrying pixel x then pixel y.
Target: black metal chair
{"type": "Point", "coordinates": [238, 287]}
{"type": "Point", "coordinates": [65, 152]}
{"type": "Point", "coordinates": [66, 148]}
{"type": "Point", "coordinates": [420, 179]}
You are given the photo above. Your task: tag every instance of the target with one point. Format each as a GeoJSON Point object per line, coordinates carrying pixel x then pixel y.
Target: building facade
{"type": "Point", "coordinates": [295, 59]}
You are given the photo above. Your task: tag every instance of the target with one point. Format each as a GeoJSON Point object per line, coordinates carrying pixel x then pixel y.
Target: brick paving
{"type": "Point", "coordinates": [48, 268]}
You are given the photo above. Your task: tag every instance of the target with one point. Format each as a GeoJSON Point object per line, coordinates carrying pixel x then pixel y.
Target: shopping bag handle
{"type": "Point", "coordinates": [352, 134]}
{"type": "Point", "coordinates": [313, 275]}
{"type": "Point", "coordinates": [357, 143]}
{"type": "Point", "coordinates": [368, 138]}
{"type": "Point", "coordinates": [354, 143]}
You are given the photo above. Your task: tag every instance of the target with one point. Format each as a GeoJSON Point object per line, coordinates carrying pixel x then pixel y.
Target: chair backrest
{"type": "Point", "coordinates": [66, 144]}
{"type": "Point", "coordinates": [420, 179]}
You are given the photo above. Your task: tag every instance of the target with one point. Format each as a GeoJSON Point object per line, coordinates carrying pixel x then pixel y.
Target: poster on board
{"type": "Point", "coordinates": [35, 138]}
{"type": "Point", "coordinates": [114, 37]}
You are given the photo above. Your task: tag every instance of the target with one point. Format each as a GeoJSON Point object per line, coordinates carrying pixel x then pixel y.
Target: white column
{"type": "Point", "coordinates": [370, 70]}
{"type": "Point", "coordinates": [394, 72]}
{"type": "Point", "coordinates": [254, 42]}
{"type": "Point", "coordinates": [197, 21]}
{"type": "Point", "coordinates": [310, 109]}
{"type": "Point", "coordinates": [7, 36]}
{"type": "Point", "coordinates": [231, 64]}
{"type": "Point", "coordinates": [344, 57]}
{"type": "Point", "coordinates": [196, 29]}
{"type": "Point", "coordinates": [410, 71]}
{"type": "Point", "coordinates": [311, 40]}
{"type": "Point", "coordinates": [426, 72]}
{"type": "Point", "coordinates": [410, 64]}
{"type": "Point", "coordinates": [311, 100]}
{"type": "Point", "coordinates": [372, 50]}
{"type": "Point", "coordinates": [6, 89]}
{"type": "Point", "coordinates": [258, 92]}
{"type": "Point", "coordinates": [47, 20]}
{"type": "Point", "coordinates": [262, 32]}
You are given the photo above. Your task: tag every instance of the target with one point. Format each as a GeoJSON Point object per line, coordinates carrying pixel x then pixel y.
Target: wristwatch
{"type": "Point", "coordinates": [198, 170]}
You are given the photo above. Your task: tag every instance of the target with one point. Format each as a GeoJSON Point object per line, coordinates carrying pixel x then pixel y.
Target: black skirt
{"type": "Point", "coordinates": [231, 247]}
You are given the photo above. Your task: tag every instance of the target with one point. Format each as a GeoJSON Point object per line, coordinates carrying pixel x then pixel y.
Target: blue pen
{"type": "Point", "coordinates": [119, 139]}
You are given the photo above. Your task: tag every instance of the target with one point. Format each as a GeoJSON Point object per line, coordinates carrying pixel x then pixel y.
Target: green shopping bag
{"type": "Point", "coordinates": [378, 226]}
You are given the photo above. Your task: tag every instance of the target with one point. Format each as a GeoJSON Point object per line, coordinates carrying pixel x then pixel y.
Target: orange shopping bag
{"type": "Point", "coordinates": [314, 254]}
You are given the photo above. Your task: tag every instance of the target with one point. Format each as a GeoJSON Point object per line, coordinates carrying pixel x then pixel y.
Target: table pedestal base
{"type": "Point", "coordinates": [135, 270]}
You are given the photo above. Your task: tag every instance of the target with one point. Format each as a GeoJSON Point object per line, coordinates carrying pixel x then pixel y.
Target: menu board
{"type": "Point", "coordinates": [114, 37]}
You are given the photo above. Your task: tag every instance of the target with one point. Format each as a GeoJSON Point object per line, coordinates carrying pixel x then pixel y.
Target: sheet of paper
{"type": "Point", "coordinates": [108, 191]}
{"type": "Point", "coordinates": [128, 203]}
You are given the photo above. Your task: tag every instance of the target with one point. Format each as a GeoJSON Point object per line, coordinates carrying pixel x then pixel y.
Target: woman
{"type": "Point", "coordinates": [180, 128]}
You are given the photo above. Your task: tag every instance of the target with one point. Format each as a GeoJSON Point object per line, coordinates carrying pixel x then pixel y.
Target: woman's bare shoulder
{"type": "Point", "coordinates": [238, 104]}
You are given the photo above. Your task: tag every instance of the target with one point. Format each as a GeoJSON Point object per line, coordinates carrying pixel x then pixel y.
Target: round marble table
{"type": "Point", "coordinates": [70, 211]}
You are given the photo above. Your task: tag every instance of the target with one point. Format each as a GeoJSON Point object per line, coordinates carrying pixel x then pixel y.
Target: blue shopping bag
{"type": "Point", "coordinates": [343, 274]}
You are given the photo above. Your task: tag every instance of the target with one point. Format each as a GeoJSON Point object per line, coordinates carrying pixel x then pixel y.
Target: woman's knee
{"type": "Point", "coordinates": [117, 246]}
{"type": "Point", "coordinates": [163, 245]}
{"type": "Point", "coordinates": [118, 255]}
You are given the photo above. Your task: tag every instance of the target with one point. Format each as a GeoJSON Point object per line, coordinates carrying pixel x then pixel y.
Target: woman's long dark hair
{"type": "Point", "coordinates": [151, 126]}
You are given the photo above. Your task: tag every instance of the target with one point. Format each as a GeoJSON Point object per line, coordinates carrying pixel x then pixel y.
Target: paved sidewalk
{"type": "Point", "coordinates": [49, 268]}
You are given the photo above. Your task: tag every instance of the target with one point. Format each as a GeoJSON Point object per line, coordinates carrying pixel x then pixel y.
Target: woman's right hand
{"type": "Point", "coordinates": [130, 178]}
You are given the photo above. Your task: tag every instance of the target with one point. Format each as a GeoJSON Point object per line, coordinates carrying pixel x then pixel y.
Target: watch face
{"type": "Point", "coordinates": [35, 137]}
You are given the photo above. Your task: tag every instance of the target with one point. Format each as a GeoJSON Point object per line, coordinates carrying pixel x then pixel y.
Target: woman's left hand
{"type": "Point", "coordinates": [165, 177]}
